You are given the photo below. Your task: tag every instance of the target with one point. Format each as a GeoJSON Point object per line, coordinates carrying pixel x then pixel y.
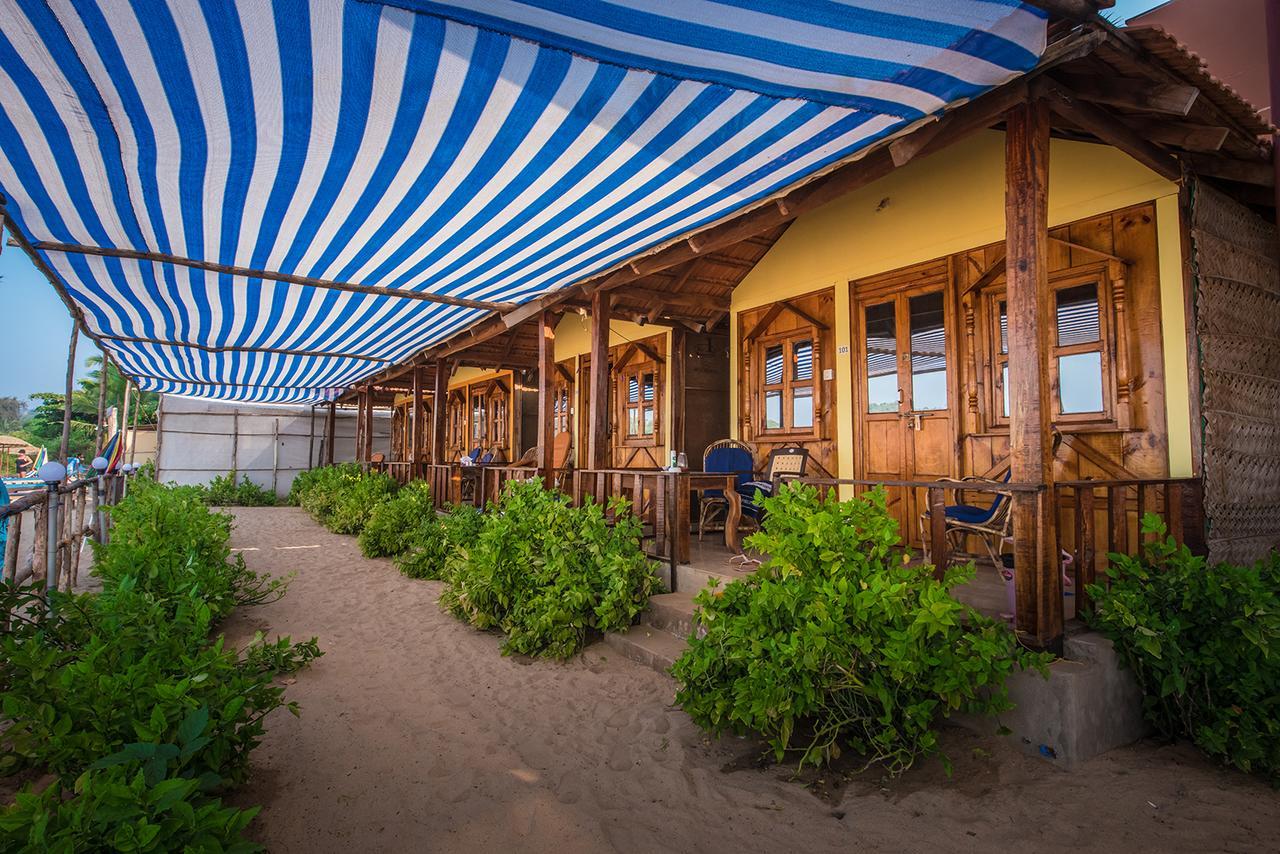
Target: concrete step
{"type": "Point", "coordinates": [671, 612]}
{"type": "Point", "coordinates": [691, 578]}
{"type": "Point", "coordinates": [648, 646]}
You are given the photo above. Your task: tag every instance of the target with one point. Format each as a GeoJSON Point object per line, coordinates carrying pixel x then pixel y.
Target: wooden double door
{"type": "Point", "coordinates": [905, 426]}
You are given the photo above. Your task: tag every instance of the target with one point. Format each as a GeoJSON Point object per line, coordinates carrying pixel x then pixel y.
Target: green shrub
{"type": "Point", "coordinates": [221, 491]}
{"type": "Point", "coordinates": [102, 685]}
{"type": "Point", "coordinates": [341, 497]}
{"type": "Point", "coordinates": [1204, 643]}
{"type": "Point", "coordinates": [118, 809]}
{"type": "Point", "coordinates": [170, 544]}
{"type": "Point", "coordinates": [394, 523]}
{"type": "Point", "coordinates": [838, 644]}
{"type": "Point", "coordinates": [431, 545]}
{"type": "Point", "coordinates": [546, 573]}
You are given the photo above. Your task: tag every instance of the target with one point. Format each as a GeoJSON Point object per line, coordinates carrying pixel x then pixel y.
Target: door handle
{"type": "Point", "coordinates": [915, 419]}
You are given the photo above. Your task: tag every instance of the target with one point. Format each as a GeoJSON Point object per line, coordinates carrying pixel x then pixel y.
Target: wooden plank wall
{"type": "Point", "coordinates": [823, 447]}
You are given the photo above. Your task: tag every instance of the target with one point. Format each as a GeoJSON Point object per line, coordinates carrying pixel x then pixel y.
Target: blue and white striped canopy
{"type": "Point", "coordinates": [490, 149]}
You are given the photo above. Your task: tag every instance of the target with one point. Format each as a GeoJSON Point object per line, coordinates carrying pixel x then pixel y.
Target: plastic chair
{"type": "Point", "coordinates": [726, 456]}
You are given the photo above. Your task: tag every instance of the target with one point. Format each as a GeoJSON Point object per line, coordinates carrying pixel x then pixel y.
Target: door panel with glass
{"type": "Point", "coordinates": [905, 424]}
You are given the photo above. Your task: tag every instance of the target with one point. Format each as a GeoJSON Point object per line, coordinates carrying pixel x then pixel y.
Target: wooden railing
{"type": "Point", "coordinates": [1098, 517]}
{"type": "Point", "coordinates": [443, 486]}
{"type": "Point", "coordinates": [933, 529]}
{"type": "Point", "coordinates": [78, 516]}
{"type": "Point", "coordinates": [654, 501]}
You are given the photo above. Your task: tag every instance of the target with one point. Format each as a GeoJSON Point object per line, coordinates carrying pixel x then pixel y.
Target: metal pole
{"type": "Point", "coordinates": [51, 542]}
{"type": "Point", "coordinates": [64, 446]}
{"type": "Point", "coordinates": [311, 444]}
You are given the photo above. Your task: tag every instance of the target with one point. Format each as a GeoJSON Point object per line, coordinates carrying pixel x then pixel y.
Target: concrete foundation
{"type": "Point", "coordinates": [1087, 706]}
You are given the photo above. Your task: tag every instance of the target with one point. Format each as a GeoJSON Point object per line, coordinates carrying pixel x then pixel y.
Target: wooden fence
{"type": "Point", "coordinates": [77, 516]}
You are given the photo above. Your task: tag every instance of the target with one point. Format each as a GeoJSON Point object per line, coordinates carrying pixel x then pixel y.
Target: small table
{"type": "Point", "coordinates": [690, 482]}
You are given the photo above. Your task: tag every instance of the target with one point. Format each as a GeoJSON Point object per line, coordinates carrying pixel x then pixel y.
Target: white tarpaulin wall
{"type": "Point", "coordinates": [268, 444]}
{"type": "Point", "coordinates": [487, 149]}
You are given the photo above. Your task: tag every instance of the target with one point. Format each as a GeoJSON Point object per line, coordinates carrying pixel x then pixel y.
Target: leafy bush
{"type": "Point", "coordinates": [165, 539]}
{"type": "Point", "coordinates": [394, 523]}
{"type": "Point", "coordinates": [118, 809]}
{"type": "Point", "coordinates": [223, 491]}
{"type": "Point", "coordinates": [124, 693]}
{"type": "Point", "coordinates": [1204, 643]}
{"type": "Point", "coordinates": [341, 497]}
{"type": "Point", "coordinates": [546, 573]}
{"type": "Point", "coordinates": [837, 643]}
{"type": "Point", "coordinates": [430, 546]}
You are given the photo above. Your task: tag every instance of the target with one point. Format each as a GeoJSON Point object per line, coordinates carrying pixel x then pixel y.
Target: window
{"type": "Point", "coordinates": [1079, 364]}
{"type": "Point", "coordinates": [560, 406]}
{"type": "Point", "coordinates": [479, 420]}
{"type": "Point", "coordinates": [497, 401]}
{"type": "Point", "coordinates": [458, 422]}
{"type": "Point", "coordinates": [882, 357]}
{"type": "Point", "coordinates": [640, 399]}
{"type": "Point", "coordinates": [928, 352]}
{"type": "Point", "coordinates": [788, 390]}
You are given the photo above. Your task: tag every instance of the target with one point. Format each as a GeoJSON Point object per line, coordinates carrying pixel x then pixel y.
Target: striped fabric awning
{"type": "Point", "coordinates": [491, 150]}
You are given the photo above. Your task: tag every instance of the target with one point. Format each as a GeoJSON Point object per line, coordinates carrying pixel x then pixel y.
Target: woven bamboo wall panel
{"type": "Point", "coordinates": [1236, 257]}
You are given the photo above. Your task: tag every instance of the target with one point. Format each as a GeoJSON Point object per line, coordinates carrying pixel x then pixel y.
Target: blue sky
{"type": "Point", "coordinates": [33, 345]}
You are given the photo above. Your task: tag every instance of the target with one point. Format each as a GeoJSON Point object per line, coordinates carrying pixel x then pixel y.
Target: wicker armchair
{"type": "Point", "coordinates": [992, 525]}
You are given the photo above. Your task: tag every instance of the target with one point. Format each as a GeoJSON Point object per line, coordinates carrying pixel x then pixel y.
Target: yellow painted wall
{"type": "Point", "coordinates": [948, 203]}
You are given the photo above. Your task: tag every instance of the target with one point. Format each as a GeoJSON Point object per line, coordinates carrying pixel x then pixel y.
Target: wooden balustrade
{"type": "Point", "coordinates": [75, 521]}
{"type": "Point", "coordinates": [931, 495]}
{"type": "Point", "coordinates": [654, 499]}
{"type": "Point", "coordinates": [1101, 517]}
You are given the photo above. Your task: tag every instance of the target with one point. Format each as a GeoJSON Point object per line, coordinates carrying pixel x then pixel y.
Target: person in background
{"type": "Point", "coordinates": [23, 463]}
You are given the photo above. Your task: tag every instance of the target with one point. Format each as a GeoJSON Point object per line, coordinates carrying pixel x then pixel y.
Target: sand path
{"type": "Point", "coordinates": [417, 735]}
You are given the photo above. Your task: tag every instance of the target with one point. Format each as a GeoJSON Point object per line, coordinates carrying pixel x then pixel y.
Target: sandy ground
{"type": "Point", "coordinates": [417, 735]}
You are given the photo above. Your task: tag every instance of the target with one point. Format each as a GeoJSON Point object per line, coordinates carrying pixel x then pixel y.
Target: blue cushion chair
{"type": "Point", "coordinates": [992, 524]}
{"type": "Point", "coordinates": [787, 463]}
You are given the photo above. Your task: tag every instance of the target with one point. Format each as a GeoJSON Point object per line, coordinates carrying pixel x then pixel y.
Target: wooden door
{"type": "Point", "coordinates": [905, 426]}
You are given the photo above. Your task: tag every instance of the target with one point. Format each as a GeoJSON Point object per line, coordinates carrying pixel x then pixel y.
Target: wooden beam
{"type": "Point", "coordinates": [1073, 10]}
{"type": "Point", "coordinates": [804, 315]}
{"type": "Point", "coordinates": [598, 390]}
{"type": "Point", "coordinates": [1185, 135]}
{"type": "Point", "coordinates": [270, 275]}
{"type": "Point", "coordinates": [1112, 130]}
{"type": "Point", "coordinates": [546, 397]}
{"type": "Point", "coordinates": [1038, 579]}
{"type": "Point", "coordinates": [704, 301]}
{"type": "Point", "coordinates": [1259, 172]}
{"type": "Point", "coordinates": [236, 348]}
{"type": "Point", "coordinates": [1132, 93]}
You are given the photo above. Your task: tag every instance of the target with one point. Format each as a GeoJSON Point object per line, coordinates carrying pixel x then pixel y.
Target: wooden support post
{"type": "Point", "coordinates": [65, 446]}
{"type": "Point", "coordinates": [598, 394]}
{"type": "Point", "coordinates": [415, 426]}
{"type": "Point", "coordinates": [124, 414]}
{"type": "Point", "coordinates": [133, 439]}
{"type": "Point", "coordinates": [100, 433]}
{"type": "Point", "coordinates": [1038, 577]}
{"type": "Point", "coordinates": [938, 532]}
{"type": "Point", "coordinates": [439, 412]}
{"type": "Point", "coordinates": [679, 347]}
{"type": "Point", "coordinates": [330, 432]}
{"type": "Point", "coordinates": [546, 397]}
